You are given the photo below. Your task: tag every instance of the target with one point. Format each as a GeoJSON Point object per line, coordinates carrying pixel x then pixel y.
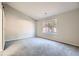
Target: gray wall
{"type": "Point", "coordinates": [67, 28]}
{"type": "Point", "coordinates": [17, 25]}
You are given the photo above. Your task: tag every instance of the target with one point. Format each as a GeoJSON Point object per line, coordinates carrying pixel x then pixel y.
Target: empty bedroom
{"type": "Point", "coordinates": [40, 28]}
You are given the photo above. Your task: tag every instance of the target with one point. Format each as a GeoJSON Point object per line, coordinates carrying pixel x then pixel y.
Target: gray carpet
{"type": "Point", "coordinates": [39, 47]}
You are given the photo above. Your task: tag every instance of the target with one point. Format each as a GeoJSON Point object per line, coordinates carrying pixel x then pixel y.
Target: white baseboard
{"type": "Point", "coordinates": [19, 38]}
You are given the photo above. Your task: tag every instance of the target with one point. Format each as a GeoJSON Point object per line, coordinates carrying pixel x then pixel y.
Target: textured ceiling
{"type": "Point", "coordinates": [39, 10]}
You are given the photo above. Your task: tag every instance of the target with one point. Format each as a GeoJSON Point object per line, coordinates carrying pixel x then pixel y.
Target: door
{"type": "Point", "coordinates": [3, 27]}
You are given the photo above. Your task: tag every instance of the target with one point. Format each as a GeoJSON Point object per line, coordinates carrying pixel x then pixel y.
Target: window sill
{"type": "Point", "coordinates": [50, 33]}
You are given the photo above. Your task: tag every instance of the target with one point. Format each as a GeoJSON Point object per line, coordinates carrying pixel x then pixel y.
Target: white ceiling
{"type": "Point", "coordinates": [39, 10]}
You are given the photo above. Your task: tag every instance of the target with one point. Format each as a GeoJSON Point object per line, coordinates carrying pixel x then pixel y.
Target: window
{"type": "Point", "coordinates": [49, 26]}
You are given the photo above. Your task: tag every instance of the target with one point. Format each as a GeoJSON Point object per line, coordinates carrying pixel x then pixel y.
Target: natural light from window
{"type": "Point", "coordinates": [49, 26]}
